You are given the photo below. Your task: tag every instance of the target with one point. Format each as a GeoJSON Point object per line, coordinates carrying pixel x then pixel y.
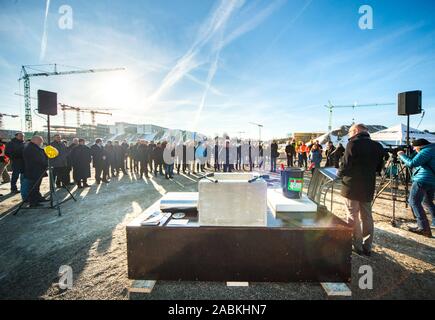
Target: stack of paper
{"type": "Point", "coordinates": [156, 218]}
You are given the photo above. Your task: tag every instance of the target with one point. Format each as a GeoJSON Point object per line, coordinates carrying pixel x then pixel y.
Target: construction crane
{"type": "Point", "coordinates": [331, 107]}
{"type": "Point", "coordinates": [6, 115]}
{"type": "Point", "coordinates": [78, 110]}
{"type": "Point", "coordinates": [25, 76]}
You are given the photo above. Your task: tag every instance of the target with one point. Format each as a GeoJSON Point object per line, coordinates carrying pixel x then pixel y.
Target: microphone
{"type": "Point", "coordinates": [266, 176]}
{"type": "Point", "coordinates": [206, 176]}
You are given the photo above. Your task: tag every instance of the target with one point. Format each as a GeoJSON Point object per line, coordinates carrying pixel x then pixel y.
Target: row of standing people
{"type": "Point", "coordinates": [300, 154]}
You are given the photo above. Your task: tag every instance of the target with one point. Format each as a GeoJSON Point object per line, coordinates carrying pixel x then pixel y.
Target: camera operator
{"type": "Point", "coordinates": [362, 158]}
{"type": "Point", "coordinates": [423, 184]}
{"type": "Point", "coordinates": [35, 165]}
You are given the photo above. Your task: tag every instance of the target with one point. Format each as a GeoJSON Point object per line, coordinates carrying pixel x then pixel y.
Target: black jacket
{"type": "Point", "coordinates": [81, 162]}
{"type": "Point", "coordinates": [143, 153]}
{"type": "Point", "coordinates": [362, 159]}
{"type": "Point", "coordinates": [35, 161]}
{"type": "Point", "coordinates": [14, 150]}
{"type": "Point", "coordinates": [98, 155]}
{"type": "Point", "coordinates": [274, 150]}
{"type": "Point", "coordinates": [290, 150]}
{"type": "Point", "coordinates": [61, 160]}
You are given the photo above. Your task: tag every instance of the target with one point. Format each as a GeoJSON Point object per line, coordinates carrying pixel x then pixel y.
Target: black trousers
{"type": "Point", "coordinates": [289, 161]}
{"type": "Point", "coordinates": [158, 166]}
{"type": "Point", "coordinates": [106, 172]}
{"type": "Point", "coordinates": [144, 168]}
{"type": "Point", "coordinates": [34, 196]}
{"type": "Point", "coordinates": [98, 171]}
{"type": "Point", "coordinates": [61, 176]}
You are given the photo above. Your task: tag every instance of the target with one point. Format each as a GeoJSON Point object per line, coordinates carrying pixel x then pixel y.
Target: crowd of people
{"type": "Point", "coordinates": [357, 165]}
{"type": "Point", "coordinates": [109, 159]}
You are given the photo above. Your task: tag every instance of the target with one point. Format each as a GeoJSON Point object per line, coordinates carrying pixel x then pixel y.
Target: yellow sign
{"type": "Point", "coordinates": [51, 152]}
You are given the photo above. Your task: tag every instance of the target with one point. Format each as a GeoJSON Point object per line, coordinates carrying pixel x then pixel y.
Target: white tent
{"type": "Point", "coordinates": [396, 135]}
{"type": "Point", "coordinates": [339, 135]}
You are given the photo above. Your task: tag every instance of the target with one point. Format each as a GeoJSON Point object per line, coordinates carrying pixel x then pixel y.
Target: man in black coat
{"type": "Point", "coordinates": [74, 143]}
{"type": "Point", "coordinates": [274, 154]}
{"type": "Point", "coordinates": [14, 150]}
{"type": "Point", "coordinates": [216, 154]}
{"type": "Point", "coordinates": [143, 155]}
{"type": "Point", "coordinates": [60, 163]}
{"type": "Point", "coordinates": [157, 156]}
{"type": "Point", "coordinates": [125, 147]}
{"type": "Point", "coordinates": [81, 157]}
{"type": "Point", "coordinates": [119, 157]}
{"type": "Point", "coordinates": [35, 167]}
{"type": "Point", "coordinates": [329, 154]}
{"type": "Point", "coordinates": [98, 159]}
{"type": "Point", "coordinates": [362, 159]}
{"type": "Point", "coordinates": [153, 163]}
{"type": "Point", "coordinates": [337, 154]}
{"type": "Point", "coordinates": [290, 152]}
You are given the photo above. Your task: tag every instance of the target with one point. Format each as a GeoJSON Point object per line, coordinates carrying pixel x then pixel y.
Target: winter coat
{"type": "Point", "coordinates": [119, 156]}
{"type": "Point", "coordinates": [329, 153]}
{"type": "Point", "coordinates": [290, 150]}
{"type": "Point", "coordinates": [35, 161]}
{"type": "Point", "coordinates": [316, 157]}
{"type": "Point", "coordinates": [274, 150]}
{"type": "Point", "coordinates": [81, 157]}
{"type": "Point", "coordinates": [98, 155]}
{"type": "Point", "coordinates": [61, 160]}
{"type": "Point", "coordinates": [362, 159]}
{"type": "Point", "coordinates": [14, 150]}
{"type": "Point", "coordinates": [143, 153]}
{"type": "Point", "coordinates": [422, 164]}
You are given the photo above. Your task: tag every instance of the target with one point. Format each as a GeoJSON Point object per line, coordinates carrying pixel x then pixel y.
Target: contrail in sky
{"type": "Point", "coordinates": [44, 35]}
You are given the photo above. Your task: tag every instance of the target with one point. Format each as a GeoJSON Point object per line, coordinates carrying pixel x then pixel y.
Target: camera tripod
{"type": "Point", "coordinates": [392, 177]}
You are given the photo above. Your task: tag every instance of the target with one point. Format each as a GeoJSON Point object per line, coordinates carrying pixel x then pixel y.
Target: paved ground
{"type": "Point", "coordinates": [90, 237]}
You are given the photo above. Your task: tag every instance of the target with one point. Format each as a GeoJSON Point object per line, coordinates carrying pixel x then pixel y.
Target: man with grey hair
{"type": "Point", "coordinates": [362, 159]}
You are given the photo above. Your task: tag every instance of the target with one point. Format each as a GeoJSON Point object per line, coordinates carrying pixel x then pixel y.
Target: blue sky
{"type": "Point", "coordinates": [215, 66]}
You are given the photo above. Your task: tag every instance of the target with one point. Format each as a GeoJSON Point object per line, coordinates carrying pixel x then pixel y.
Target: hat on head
{"type": "Point", "coordinates": [420, 143]}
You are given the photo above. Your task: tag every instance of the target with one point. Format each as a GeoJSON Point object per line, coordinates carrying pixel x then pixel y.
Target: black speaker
{"type": "Point", "coordinates": [409, 103]}
{"type": "Point", "coordinates": [47, 102]}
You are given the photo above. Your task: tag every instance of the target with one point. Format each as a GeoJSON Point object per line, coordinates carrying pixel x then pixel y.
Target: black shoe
{"type": "Point", "coordinates": [15, 191]}
{"type": "Point", "coordinates": [425, 233]}
{"type": "Point", "coordinates": [35, 205]}
{"type": "Point", "coordinates": [85, 185]}
{"type": "Point", "coordinates": [367, 253]}
{"type": "Point", "coordinates": [358, 251]}
{"type": "Point", "coordinates": [44, 200]}
{"type": "Point", "coordinates": [106, 181]}
{"type": "Point", "coordinates": [98, 182]}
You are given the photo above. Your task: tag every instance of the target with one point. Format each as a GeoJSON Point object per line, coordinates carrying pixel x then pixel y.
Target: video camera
{"type": "Point", "coordinates": [394, 150]}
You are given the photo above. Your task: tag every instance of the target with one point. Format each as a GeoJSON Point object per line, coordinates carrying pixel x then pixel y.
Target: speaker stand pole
{"type": "Point", "coordinates": [53, 195]}
{"type": "Point", "coordinates": [408, 153]}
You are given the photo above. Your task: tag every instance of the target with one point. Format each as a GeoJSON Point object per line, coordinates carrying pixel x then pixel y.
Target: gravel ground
{"type": "Point", "coordinates": [90, 237]}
